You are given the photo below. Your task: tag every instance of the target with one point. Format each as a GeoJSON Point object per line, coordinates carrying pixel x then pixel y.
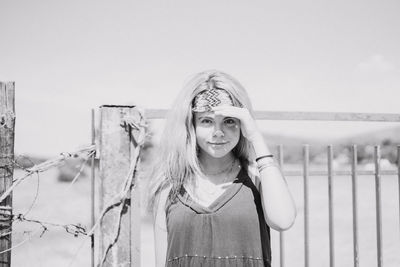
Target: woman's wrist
{"type": "Point", "coordinates": [264, 156]}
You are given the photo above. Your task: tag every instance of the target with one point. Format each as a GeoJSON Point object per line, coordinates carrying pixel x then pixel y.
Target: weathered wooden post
{"type": "Point", "coordinates": [119, 237]}
{"type": "Point", "coordinates": [7, 124]}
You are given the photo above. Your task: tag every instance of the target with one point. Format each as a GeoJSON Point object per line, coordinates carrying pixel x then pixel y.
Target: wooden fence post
{"type": "Point", "coordinates": [7, 131]}
{"type": "Point", "coordinates": [120, 226]}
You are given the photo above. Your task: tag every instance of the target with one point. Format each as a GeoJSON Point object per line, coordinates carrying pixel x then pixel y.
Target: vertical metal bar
{"type": "Point", "coordinates": [92, 189]}
{"type": "Point", "coordinates": [377, 157]}
{"type": "Point", "coordinates": [281, 234]}
{"type": "Point", "coordinates": [355, 204]}
{"type": "Point", "coordinates": [330, 195]}
{"type": "Point", "coordinates": [306, 156]}
{"type": "Point", "coordinates": [398, 176]}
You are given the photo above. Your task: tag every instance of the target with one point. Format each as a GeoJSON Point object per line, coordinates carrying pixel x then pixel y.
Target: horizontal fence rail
{"type": "Point", "coordinates": [307, 116]}
{"type": "Point", "coordinates": [354, 172]}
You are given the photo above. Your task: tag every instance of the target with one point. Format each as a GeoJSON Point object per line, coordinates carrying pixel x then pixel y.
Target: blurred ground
{"type": "Point", "coordinates": [56, 203]}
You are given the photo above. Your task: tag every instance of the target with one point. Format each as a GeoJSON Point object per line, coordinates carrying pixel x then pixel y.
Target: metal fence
{"type": "Point", "coordinates": [330, 173]}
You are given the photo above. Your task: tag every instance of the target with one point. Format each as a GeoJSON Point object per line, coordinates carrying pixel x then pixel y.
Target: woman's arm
{"type": "Point", "coordinates": [160, 229]}
{"type": "Point", "coordinates": [278, 204]}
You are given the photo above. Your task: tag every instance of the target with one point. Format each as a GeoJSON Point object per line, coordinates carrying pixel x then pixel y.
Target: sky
{"type": "Point", "coordinates": [67, 57]}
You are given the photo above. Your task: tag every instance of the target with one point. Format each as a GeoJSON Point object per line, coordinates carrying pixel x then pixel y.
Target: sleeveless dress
{"type": "Point", "coordinates": [230, 232]}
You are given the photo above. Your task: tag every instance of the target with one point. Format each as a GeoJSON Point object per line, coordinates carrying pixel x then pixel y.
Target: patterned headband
{"type": "Point", "coordinates": [205, 100]}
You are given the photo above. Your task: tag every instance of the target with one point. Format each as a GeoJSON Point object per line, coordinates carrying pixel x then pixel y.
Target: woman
{"type": "Point", "coordinates": [217, 189]}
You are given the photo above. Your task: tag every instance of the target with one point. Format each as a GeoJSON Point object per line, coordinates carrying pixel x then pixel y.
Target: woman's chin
{"type": "Point", "coordinates": [217, 153]}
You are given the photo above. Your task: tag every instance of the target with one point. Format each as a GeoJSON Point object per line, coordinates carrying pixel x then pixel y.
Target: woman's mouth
{"type": "Point", "coordinates": [218, 143]}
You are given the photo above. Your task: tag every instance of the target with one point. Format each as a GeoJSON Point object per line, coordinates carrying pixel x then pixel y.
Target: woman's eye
{"type": "Point", "coordinates": [230, 122]}
{"type": "Point", "coordinates": [206, 121]}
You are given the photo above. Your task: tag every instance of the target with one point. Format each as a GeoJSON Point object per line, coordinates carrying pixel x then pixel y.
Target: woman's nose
{"type": "Point", "coordinates": [218, 133]}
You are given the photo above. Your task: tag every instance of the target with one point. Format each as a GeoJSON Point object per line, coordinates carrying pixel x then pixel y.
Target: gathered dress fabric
{"type": "Point", "coordinates": [230, 232]}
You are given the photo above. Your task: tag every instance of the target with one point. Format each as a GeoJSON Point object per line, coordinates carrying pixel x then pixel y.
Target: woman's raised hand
{"type": "Point", "coordinates": [247, 123]}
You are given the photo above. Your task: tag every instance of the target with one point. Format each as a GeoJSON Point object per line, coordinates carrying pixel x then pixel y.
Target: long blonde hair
{"type": "Point", "coordinates": [177, 160]}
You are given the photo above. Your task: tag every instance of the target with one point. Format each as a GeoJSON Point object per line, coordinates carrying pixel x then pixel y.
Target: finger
{"type": "Point", "coordinates": [228, 113]}
{"type": "Point", "coordinates": [226, 110]}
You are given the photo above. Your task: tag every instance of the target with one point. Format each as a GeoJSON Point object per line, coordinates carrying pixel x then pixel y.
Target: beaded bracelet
{"type": "Point", "coordinates": [265, 156]}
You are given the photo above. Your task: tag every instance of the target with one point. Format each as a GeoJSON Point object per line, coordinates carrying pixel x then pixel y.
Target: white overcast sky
{"type": "Point", "coordinates": [67, 57]}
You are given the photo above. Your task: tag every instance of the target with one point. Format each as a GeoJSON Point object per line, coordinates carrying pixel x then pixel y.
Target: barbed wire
{"type": "Point", "coordinates": [36, 195]}
{"type": "Point", "coordinates": [91, 154]}
{"type": "Point", "coordinates": [8, 208]}
{"type": "Point", "coordinates": [15, 161]}
{"type": "Point", "coordinates": [123, 195]}
{"type": "Point", "coordinates": [119, 200]}
{"type": "Point", "coordinates": [74, 229]}
{"type": "Point", "coordinates": [46, 165]}
{"type": "Point", "coordinates": [20, 243]}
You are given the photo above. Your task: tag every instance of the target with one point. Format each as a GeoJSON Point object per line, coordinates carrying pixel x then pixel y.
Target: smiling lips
{"type": "Point", "coordinates": [218, 144]}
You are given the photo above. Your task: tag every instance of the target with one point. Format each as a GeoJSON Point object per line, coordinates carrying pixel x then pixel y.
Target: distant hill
{"type": "Point", "coordinates": [374, 137]}
{"type": "Point", "coordinates": [388, 139]}
{"type": "Point", "coordinates": [293, 146]}
{"type": "Point", "coordinates": [27, 161]}
{"type": "Point", "coordinates": [286, 140]}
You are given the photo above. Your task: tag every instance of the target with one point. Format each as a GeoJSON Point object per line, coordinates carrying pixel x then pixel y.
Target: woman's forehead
{"type": "Point", "coordinates": [204, 114]}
